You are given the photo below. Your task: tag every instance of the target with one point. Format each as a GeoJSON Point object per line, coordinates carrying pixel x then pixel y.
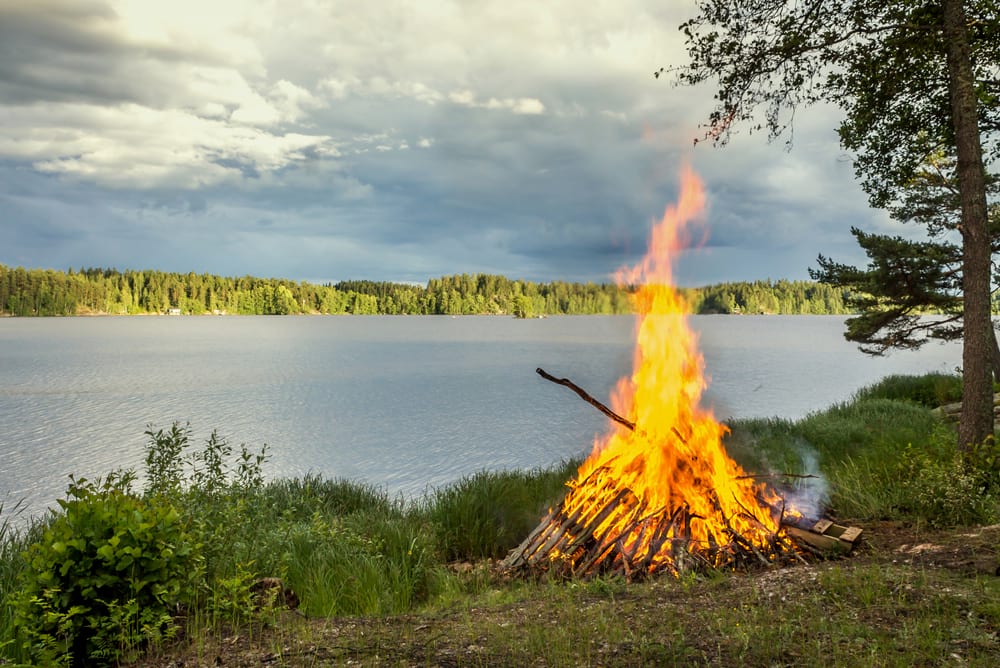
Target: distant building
{"type": "Point", "coordinates": [173, 311]}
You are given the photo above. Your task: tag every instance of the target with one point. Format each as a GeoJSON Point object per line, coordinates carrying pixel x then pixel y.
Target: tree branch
{"type": "Point", "coordinates": [586, 397]}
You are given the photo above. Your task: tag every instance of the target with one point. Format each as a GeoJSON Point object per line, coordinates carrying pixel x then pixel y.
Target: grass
{"type": "Point", "coordinates": [867, 611]}
{"type": "Point", "coordinates": [487, 514]}
{"type": "Point", "coordinates": [386, 582]}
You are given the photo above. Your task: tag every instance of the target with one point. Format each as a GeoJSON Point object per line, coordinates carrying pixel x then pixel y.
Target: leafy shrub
{"type": "Point", "coordinates": [169, 471]}
{"type": "Point", "coordinates": [164, 459]}
{"type": "Point", "coordinates": [215, 488]}
{"type": "Point", "coordinates": [108, 575]}
{"type": "Point", "coordinates": [985, 457]}
{"type": "Point", "coordinates": [946, 491]}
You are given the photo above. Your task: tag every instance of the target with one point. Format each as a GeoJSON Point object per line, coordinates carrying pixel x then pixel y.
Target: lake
{"type": "Point", "coordinates": [403, 402]}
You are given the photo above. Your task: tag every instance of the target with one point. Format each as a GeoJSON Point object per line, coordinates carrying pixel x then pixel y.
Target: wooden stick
{"type": "Point", "coordinates": [518, 554]}
{"type": "Point", "coordinates": [557, 536]}
{"type": "Point", "coordinates": [586, 397]}
{"type": "Point", "coordinates": [590, 528]}
{"type": "Point", "coordinates": [597, 404]}
{"type": "Point", "coordinates": [756, 476]}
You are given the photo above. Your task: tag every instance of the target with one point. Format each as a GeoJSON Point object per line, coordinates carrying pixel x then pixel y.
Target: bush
{"type": "Point", "coordinates": [215, 488]}
{"type": "Point", "coordinates": [107, 577]}
{"type": "Point", "coordinates": [947, 492]}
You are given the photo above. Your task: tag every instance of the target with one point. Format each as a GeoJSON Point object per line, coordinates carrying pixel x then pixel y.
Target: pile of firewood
{"type": "Point", "coordinates": [614, 532]}
{"type": "Point", "coordinates": [626, 538]}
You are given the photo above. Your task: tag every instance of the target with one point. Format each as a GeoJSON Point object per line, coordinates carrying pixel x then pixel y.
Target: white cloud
{"type": "Point", "coordinates": [523, 105]}
{"type": "Point", "coordinates": [465, 98]}
{"type": "Point", "coordinates": [339, 89]}
{"type": "Point", "coordinates": [137, 147]}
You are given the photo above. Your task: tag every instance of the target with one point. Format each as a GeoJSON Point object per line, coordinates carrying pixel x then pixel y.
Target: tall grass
{"type": "Point", "coordinates": [15, 537]}
{"type": "Point", "coordinates": [11, 564]}
{"type": "Point", "coordinates": [487, 514]}
{"type": "Point", "coordinates": [929, 390]}
{"type": "Point", "coordinates": [367, 563]}
{"type": "Point", "coordinates": [882, 454]}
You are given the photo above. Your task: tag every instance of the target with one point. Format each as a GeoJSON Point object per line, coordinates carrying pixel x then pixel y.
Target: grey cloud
{"type": "Point", "coordinates": [569, 193]}
{"type": "Point", "coordinates": [73, 51]}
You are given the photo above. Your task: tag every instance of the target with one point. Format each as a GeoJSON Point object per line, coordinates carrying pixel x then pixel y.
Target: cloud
{"type": "Point", "coordinates": [130, 146]}
{"type": "Point", "coordinates": [523, 105]}
{"type": "Point", "coordinates": [386, 140]}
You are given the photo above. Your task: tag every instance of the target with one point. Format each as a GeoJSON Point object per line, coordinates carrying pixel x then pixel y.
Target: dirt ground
{"type": "Point", "coordinates": [458, 638]}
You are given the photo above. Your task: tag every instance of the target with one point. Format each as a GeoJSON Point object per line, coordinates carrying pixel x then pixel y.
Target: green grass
{"type": "Point", "coordinates": [350, 551]}
{"type": "Point", "coordinates": [883, 454]}
{"type": "Point", "coordinates": [489, 513]}
{"type": "Point", "coordinates": [928, 390]}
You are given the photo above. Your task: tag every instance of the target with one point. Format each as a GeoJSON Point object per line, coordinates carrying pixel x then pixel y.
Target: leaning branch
{"type": "Point", "coordinates": [776, 475]}
{"type": "Point", "coordinates": [586, 397]}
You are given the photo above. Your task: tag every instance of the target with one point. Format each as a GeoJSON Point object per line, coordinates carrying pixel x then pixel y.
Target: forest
{"type": "Point", "coordinates": [47, 292]}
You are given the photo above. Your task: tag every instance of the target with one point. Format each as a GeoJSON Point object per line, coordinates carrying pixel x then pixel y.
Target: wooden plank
{"type": "Point", "coordinates": [822, 525]}
{"type": "Point", "coordinates": [850, 534]}
{"type": "Point", "coordinates": [818, 541]}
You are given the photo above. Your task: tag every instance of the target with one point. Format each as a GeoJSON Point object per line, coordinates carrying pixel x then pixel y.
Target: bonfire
{"type": "Point", "coordinates": [658, 493]}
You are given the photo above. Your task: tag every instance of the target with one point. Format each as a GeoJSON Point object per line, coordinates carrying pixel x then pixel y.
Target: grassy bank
{"type": "Point", "coordinates": [166, 574]}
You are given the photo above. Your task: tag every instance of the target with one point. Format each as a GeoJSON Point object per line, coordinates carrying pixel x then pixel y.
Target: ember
{"type": "Point", "coordinates": [659, 493]}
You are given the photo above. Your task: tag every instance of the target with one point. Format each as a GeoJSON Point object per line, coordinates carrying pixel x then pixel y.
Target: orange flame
{"type": "Point", "coordinates": [674, 458]}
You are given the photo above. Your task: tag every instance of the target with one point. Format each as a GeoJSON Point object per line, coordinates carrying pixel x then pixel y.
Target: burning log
{"type": "Point", "coordinates": [647, 543]}
{"type": "Point", "coordinates": [584, 545]}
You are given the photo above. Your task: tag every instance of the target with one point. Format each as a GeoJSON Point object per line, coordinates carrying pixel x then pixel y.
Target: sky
{"type": "Point", "coordinates": [321, 140]}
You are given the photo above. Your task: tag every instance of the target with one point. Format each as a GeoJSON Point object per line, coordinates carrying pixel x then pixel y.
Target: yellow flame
{"type": "Point", "coordinates": [674, 458]}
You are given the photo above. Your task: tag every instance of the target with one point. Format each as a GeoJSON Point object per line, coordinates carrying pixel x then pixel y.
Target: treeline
{"type": "Point", "coordinates": [45, 292]}
{"type": "Point", "coordinates": [780, 297]}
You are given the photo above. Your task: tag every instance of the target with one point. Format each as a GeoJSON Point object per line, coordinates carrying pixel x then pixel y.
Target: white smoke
{"type": "Point", "coordinates": [807, 495]}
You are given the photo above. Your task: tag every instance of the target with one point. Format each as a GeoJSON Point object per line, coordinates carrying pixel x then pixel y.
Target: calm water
{"type": "Point", "coordinates": [402, 402]}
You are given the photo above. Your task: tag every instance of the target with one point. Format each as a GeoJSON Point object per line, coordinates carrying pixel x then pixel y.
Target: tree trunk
{"type": "Point", "coordinates": [976, 421]}
{"type": "Point", "coordinates": [995, 357]}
